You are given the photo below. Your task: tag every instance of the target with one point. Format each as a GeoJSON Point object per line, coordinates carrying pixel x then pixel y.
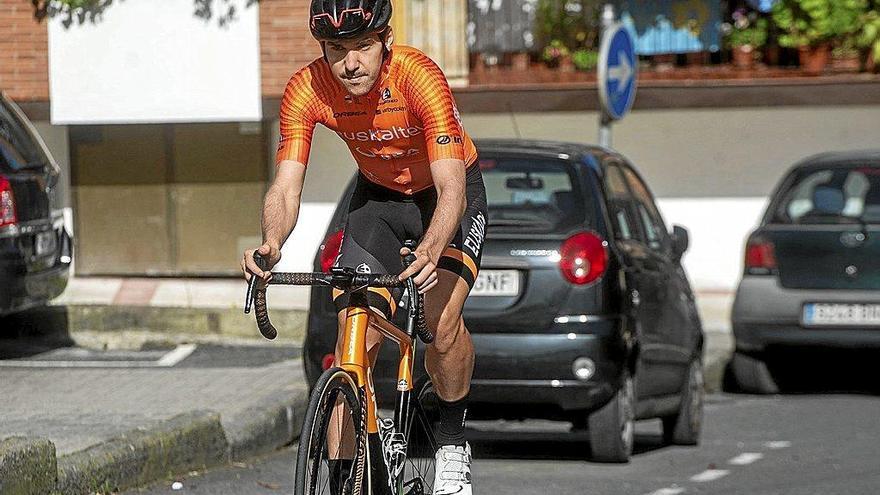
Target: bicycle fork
{"type": "Point", "coordinates": [385, 439]}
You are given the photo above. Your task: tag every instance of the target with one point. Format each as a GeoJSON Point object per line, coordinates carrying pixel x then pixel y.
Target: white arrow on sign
{"type": "Point", "coordinates": [622, 73]}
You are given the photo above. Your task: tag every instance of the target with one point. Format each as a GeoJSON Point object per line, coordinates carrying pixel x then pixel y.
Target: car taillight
{"type": "Point", "coordinates": [760, 256]}
{"type": "Point", "coordinates": [584, 257]}
{"type": "Point", "coordinates": [330, 250]}
{"type": "Point", "coordinates": [7, 203]}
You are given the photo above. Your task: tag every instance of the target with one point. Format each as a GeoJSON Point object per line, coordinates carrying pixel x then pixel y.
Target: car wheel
{"type": "Point", "coordinates": [752, 376]}
{"type": "Point", "coordinates": [684, 427]}
{"type": "Point", "coordinates": [611, 428]}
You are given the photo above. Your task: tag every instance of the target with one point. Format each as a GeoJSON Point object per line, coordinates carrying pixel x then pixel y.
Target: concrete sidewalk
{"type": "Point", "coordinates": [101, 430]}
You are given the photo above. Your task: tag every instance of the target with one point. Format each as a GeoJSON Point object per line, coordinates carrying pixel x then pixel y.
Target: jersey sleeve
{"type": "Point", "coordinates": [428, 94]}
{"type": "Point", "coordinates": [297, 119]}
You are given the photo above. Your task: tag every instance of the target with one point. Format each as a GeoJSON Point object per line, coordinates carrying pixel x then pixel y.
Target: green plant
{"type": "Point", "coordinates": [746, 30]}
{"type": "Point", "coordinates": [574, 23]}
{"type": "Point", "coordinates": [554, 51]}
{"type": "Point", "coordinates": [814, 22]}
{"type": "Point", "coordinates": [585, 59]}
{"type": "Point", "coordinates": [868, 36]}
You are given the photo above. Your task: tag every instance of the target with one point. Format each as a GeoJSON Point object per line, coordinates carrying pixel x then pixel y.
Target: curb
{"type": "Point", "coordinates": [27, 466]}
{"type": "Point", "coordinates": [187, 442]}
{"type": "Point", "coordinates": [262, 429]}
{"type": "Point", "coordinates": [230, 322]}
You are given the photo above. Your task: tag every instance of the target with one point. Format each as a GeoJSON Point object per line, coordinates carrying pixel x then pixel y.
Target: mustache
{"type": "Point", "coordinates": [354, 76]}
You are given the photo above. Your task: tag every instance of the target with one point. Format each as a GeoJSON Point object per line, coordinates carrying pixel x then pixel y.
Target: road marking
{"type": "Point", "coordinates": [780, 444]}
{"type": "Point", "coordinates": [675, 490]}
{"type": "Point", "coordinates": [746, 458]}
{"type": "Point", "coordinates": [179, 353]}
{"type": "Point", "coordinates": [709, 475]}
{"type": "Point", "coordinates": [168, 360]}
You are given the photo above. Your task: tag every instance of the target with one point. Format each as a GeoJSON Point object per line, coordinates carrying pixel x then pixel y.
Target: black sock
{"type": "Point", "coordinates": [339, 470]}
{"type": "Point", "coordinates": [452, 419]}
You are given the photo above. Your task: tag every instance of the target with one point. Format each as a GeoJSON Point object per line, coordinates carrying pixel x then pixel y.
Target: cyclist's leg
{"type": "Point", "coordinates": [450, 359]}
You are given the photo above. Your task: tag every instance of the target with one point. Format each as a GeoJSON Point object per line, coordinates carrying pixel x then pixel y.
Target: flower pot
{"type": "Point", "coordinates": [566, 64]}
{"type": "Point", "coordinates": [814, 59]}
{"type": "Point", "coordinates": [520, 61]}
{"type": "Point", "coordinates": [744, 57]}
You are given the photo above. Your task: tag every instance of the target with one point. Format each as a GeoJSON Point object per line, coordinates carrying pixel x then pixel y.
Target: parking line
{"type": "Point", "coordinates": [168, 360]}
{"type": "Point", "coordinates": [746, 458]}
{"type": "Point", "coordinates": [780, 444]}
{"type": "Point", "coordinates": [675, 490]}
{"type": "Point", "coordinates": [709, 475]}
{"type": "Point", "coordinates": [179, 353]}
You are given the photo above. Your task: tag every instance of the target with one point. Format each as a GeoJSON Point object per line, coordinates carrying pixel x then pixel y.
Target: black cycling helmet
{"type": "Point", "coordinates": [346, 19]}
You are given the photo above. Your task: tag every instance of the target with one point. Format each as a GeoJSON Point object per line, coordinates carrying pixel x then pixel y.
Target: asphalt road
{"type": "Point", "coordinates": [796, 444]}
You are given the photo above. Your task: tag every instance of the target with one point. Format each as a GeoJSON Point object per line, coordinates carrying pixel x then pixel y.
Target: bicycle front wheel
{"type": "Point", "coordinates": [418, 473]}
{"type": "Point", "coordinates": [332, 450]}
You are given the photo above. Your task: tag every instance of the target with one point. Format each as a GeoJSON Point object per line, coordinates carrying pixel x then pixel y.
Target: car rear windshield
{"type": "Point", "coordinates": [832, 196]}
{"type": "Point", "coordinates": [18, 148]}
{"type": "Point", "coordinates": [537, 195]}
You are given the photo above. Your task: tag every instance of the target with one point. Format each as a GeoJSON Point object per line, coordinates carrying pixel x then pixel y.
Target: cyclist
{"type": "Point", "coordinates": [418, 179]}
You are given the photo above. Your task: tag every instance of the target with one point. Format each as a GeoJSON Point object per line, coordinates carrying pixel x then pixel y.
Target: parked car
{"type": "Point", "coordinates": [582, 311]}
{"type": "Point", "coordinates": [812, 267]}
{"type": "Point", "coordinates": [35, 248]}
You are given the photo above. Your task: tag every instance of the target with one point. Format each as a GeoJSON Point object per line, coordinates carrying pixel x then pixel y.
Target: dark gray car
{"type": "Point", "coordinates": [582, 311]}
{"type": "Point", "coordinates": [812, 268]}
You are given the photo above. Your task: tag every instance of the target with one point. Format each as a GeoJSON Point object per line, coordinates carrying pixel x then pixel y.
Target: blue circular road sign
{"type": "Point", "coordinates": [618, 71]}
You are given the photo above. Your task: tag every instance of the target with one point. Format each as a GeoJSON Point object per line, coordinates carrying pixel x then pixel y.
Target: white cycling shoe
{"type": "Point", "coordinates": [452, 471]}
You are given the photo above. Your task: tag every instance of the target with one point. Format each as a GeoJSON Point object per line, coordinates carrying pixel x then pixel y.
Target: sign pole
{"type": "Point", "coordinates": [604, 120]}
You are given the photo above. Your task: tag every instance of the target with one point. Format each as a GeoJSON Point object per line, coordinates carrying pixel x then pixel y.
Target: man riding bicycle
{"type": "Point", "coordinates": [418, 179]}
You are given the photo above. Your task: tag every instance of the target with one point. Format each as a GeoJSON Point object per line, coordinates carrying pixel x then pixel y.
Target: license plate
{"type": "Point", "coordinates": [828, 314]}
{"type": "Point", "coordinates": [496, 283]}
{"type": "Point", "coordinates": [45, 243]}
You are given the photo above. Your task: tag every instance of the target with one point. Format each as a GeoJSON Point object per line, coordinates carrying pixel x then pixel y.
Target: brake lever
{"type": "Point", "coordinates": [252, 284]}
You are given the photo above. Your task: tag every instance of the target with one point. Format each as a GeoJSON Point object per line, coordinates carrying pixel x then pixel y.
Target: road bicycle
{"type": "Point", "coordinates": [388, 455]}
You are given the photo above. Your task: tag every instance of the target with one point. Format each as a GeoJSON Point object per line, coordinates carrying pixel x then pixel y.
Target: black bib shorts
{"type": "Point", "coordinates": [380, 220]}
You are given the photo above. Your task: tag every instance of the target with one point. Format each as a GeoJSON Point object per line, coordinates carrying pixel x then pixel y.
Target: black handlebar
{"type": "Point", "coordinates": [344, 279]}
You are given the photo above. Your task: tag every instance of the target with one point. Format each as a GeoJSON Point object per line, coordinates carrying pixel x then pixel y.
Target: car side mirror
{"type": "Point", "coordinates": [680, 241]}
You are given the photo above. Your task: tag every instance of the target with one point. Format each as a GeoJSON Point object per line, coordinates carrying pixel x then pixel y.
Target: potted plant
{"type": "Point", "coordinates": [585, 59]}
{"type": "Point", "coordinates": [867, 38]}
{"type": "Point", "coordinates": [812, 25]}
{"type": "Point", "coordinates": [746, 36]}
{"type": "Point", "coordinates": [557, 55]}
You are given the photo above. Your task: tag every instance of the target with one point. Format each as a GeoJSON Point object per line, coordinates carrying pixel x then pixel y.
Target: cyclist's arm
{"type": "Point", "coordinates": [449, 179]}
{"type": "Point", "coordinates": [282, 202]}
{"type": "Point", "coordinates": [281, 207]}
{"type": "Point", "coordinates": [431, 100]}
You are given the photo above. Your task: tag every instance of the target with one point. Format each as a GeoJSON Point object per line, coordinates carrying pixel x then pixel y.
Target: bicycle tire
{"type": "Point", "coordinates": [312, 476]}
{"type": "Point", "coordinates": [418, 473]}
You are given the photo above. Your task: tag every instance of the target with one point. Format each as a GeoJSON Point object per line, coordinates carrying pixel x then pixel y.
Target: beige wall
{"type": "Point", "coordinates": [704, 153]}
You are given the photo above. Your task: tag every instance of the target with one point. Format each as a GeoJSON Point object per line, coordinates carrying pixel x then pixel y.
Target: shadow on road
{"type": "Point", "coordinates": [33, 332]}
{"type": "Point", "coordinates": [821, 371]}
{"type": "Point", "coordinates": [560, 446]}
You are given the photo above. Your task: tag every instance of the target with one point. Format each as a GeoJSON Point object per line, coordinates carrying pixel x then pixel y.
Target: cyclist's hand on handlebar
{"type": "Point", "coordinates": [423, 269]}
{"type": "Point", "coordinates": [249, 266]}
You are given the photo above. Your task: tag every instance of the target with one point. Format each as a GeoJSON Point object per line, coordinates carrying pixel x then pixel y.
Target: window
{"type": "Point", "coordinates": [619, 203]}
{"type": "Point", "coordinates": [532, 194]}
{"type": "Point", "coordinates": [655, 230]}
{"type": "Point", "coordinates": [832, 196]}
{"type": "Point", "coordinates": [18, 149]}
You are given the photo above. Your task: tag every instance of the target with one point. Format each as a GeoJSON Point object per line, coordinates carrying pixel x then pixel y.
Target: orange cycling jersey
{"type": "Point", "coordinates": [405, 123]}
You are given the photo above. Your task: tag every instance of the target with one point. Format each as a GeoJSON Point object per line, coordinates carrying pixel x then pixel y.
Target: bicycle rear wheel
{"type": "Point", "coordinates": [418, 472]}
{"type": "Point", "coordinates": [318, 471]}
